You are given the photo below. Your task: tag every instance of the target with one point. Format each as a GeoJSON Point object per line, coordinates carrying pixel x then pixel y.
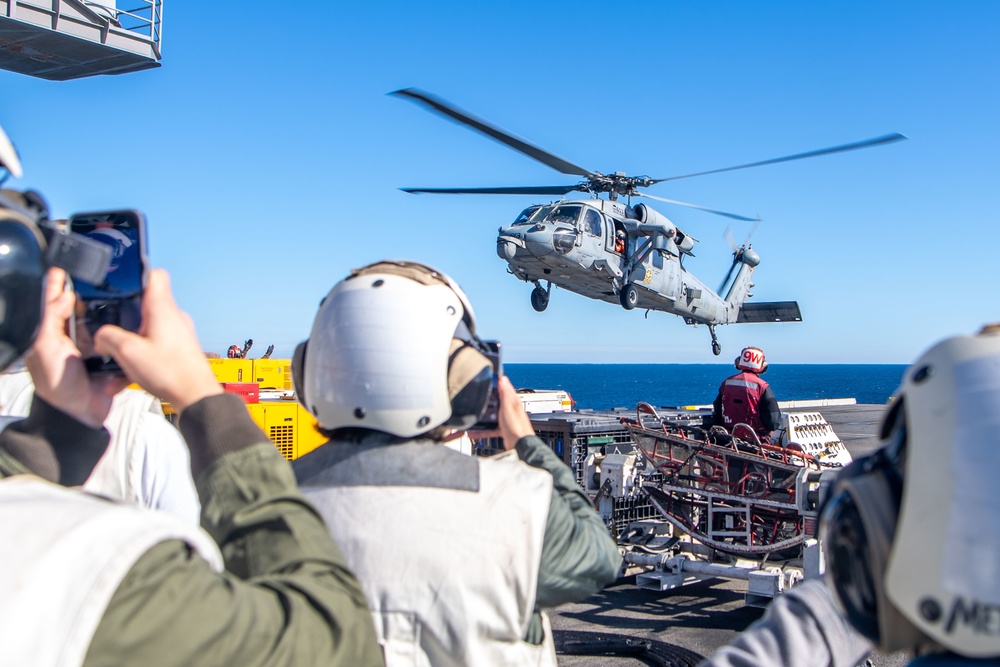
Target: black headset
{"type": "Point", "coordinates": [23, 265]}
{"type": "Point", "coordinates": [857, 527]}
{"type": "Point", "coordinates": [29, 244]}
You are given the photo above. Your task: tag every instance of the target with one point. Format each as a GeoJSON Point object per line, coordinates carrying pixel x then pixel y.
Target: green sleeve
{"type": "Point", "coordinates": [10, 466]}
{"type": "Point", "coordinates": [579, 556]}
{"type": "Point", "coordinates": [287, 596]}
{"type": "Point", "coordinates": [51, 444]}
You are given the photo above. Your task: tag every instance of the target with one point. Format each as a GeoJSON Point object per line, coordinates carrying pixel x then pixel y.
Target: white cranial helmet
{"type": "Point", "coordinates": [912, 533]}
{"type": "Point", "coordinates": [9, 160]}
{"type": "Point", "coordinates": [394, 349]}
{"type": "Point", "coordinates": [751, 359]}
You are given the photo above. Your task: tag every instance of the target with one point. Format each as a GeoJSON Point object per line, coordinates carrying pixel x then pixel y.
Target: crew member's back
{"type": "Point", "coordinates": [746, 398]}
{"type": "Point", "coordinates": [457, 555]}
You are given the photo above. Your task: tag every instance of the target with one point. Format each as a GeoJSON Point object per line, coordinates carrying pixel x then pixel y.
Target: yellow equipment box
{"type": "Point", "coordinates": [285, 423]}
{"type": "Point", "coordinates": [272, 373]}
{"type": "Point", "coordinates": [288, 425]}
{"type": "Point", "coordinates": [232, 370]}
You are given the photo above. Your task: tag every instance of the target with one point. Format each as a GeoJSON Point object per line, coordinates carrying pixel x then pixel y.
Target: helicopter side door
{"type": "Point", "coordinates": [662, 274]}
{"type": "Point", "coordinates": [592, 230]}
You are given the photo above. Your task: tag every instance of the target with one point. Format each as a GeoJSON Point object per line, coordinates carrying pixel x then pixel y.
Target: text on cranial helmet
{"type": "Point", "coordinates": [979, 617]}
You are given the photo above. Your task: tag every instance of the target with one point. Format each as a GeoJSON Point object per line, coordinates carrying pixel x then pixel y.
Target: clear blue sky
{"type": "Point", "coordinates": [267, 157]}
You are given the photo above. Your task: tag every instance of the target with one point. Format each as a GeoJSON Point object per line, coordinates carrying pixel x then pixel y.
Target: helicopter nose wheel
{"type": "Point", "coordinates": [540, 297]}
{"type": "Point", "coordinates": [629, 296]}
{"type": "Point", "coordinates": [716, 348]}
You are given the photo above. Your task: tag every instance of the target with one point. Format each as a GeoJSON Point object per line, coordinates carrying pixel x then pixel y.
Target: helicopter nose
{"type": "Point", "coordinates": [510, 242]}
{"type": "Point", "coordinates": [506, 249]}
{"type": "Point", "coordinates": [538, 241]}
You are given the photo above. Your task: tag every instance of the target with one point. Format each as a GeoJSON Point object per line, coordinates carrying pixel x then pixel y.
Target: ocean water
{"type": "Point", "coordinates": [604, 386]}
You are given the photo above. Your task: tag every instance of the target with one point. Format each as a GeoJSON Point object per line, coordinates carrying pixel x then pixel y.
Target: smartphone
{"type": "Point", "coordinates": [118, 298]}
{"type": "Point", "coordinates": [488, 422]}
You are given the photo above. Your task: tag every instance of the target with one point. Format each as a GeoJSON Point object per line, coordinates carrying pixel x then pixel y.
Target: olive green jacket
{"type": "Point", "coordinates": [287, 596]}
{"type": "Point", "coordinates": [579, 556]}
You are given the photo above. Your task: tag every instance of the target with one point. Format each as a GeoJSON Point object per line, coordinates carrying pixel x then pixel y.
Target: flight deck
{"type": "Point", "coordinates": [701, 616]}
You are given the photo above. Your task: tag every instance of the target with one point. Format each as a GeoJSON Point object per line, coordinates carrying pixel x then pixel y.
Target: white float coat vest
{"type": "Point", "coordinates": [63, 554]}
{"type": "Point", "coordinates": [446, 546]}
{"type": "Point", "coordinates": [146, 462]}
{"type": "Point", "coordinates": [116, 474]}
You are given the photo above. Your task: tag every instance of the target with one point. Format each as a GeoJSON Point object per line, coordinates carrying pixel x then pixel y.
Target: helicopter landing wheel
{"type": "Point", "coordinates": [539, 298]}
{"type": "Point", "coordinates": [629, 296]}
{"type": "Point", "coordinates": [716, 348]}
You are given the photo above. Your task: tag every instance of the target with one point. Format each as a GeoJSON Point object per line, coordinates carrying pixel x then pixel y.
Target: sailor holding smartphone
{"type": "Point", "coordinates": [89, 581]}
{"type": "Point", "coordinates": [458, 555]}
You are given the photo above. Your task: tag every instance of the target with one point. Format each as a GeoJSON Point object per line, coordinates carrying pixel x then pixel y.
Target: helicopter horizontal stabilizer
{"type": "Point", "coordinates": [770, 311]}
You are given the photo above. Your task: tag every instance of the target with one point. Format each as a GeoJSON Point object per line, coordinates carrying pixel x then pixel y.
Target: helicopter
{"type": "Point", "coordinates": [612, 251]}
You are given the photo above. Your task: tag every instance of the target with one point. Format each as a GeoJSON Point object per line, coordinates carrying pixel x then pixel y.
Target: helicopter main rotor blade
{"type": "Point", "coordinates": [734, 216]}
{"type": "Point", "coordinates": [515, 190]}
{"type": "Point", "coordinates": [867, 143]}
{"type": "Point", "coordinates": [444, 108]}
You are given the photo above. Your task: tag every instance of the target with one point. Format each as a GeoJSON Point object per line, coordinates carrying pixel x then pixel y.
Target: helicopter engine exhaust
{"type": "Point", "coordinates": [666, 235]}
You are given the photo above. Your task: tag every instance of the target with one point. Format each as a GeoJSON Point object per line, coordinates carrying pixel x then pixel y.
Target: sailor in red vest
{"type": "Point", "coordinates": [745, 398]}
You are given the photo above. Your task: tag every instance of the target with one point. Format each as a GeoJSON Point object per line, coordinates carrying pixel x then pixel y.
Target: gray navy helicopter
{"type": "Point", "coordinates": [612, 251]}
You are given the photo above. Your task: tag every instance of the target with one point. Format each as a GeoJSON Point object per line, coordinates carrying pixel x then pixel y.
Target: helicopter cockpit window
{"type": "Point", "coordinates": [532, 214]}
{"type": "Point", "coordinates": [526, 215]}
{"type": "Point", "coordinates": [592, 222]}
{"type": "Point", "coordinates": [566, 213]}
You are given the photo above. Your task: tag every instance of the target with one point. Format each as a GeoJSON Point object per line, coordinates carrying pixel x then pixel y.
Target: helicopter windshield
{"type": "Point", "coordinates": [567, 213]}
{"type": "Point", "coordinates": [526, 215]}
{"type": "Point", "coordinates": [532, 213]}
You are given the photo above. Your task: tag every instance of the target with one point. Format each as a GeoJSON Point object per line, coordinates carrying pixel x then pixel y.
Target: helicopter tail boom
{"type": "Point", "coordinates": [739, 291]}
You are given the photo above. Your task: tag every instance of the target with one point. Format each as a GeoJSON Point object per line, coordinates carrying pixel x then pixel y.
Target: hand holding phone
{"type": "Point", "coordinates": [58, 374]}
{"type": "Point", "coordinates": [514, 421]}
{"type": "Point", "coordinates": [118, 299]}
{"type": "Point", "coordinates": [488, 422]}
{"type": "Point", "coordinates": [166, 359]}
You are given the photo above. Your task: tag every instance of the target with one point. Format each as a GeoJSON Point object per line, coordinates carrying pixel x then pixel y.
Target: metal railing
{"type": "Point", "coordinates": [143, 18]}
{"type": "Point", "coordinates": [100, 21]}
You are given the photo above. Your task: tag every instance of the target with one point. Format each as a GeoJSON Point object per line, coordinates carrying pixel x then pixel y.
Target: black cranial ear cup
{"type": "Point", "coordinates": [470, 380]}
{"type": "Point", "coordinates": [23, 266]}
{"type": "Point", "coordinates": [298, 374]}
{"type": "Point", "coordinates": [844, 540]}
{"type": "Point", "coordinates": [736, 363]}
{"type": "Point", "coordinates": [858, 525]}
{"type": "Point", "coordinates": [469, 404]}
{"type": "Point", "coordinates": [36, 203]}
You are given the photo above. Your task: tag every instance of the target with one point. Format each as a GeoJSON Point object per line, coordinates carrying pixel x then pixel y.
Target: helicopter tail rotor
{"type": "Point", "coordinates": [729, 273]}
{"type": "Point", "coordinates": [753, 228]}
{"type": "Point", "coordinates": [728, 235]}
{"type": "Point", "coordinates": [738, 251]}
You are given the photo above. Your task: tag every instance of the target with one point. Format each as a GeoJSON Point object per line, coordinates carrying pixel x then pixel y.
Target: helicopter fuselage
{"type": "Point", "coordinates": [606, 250]}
